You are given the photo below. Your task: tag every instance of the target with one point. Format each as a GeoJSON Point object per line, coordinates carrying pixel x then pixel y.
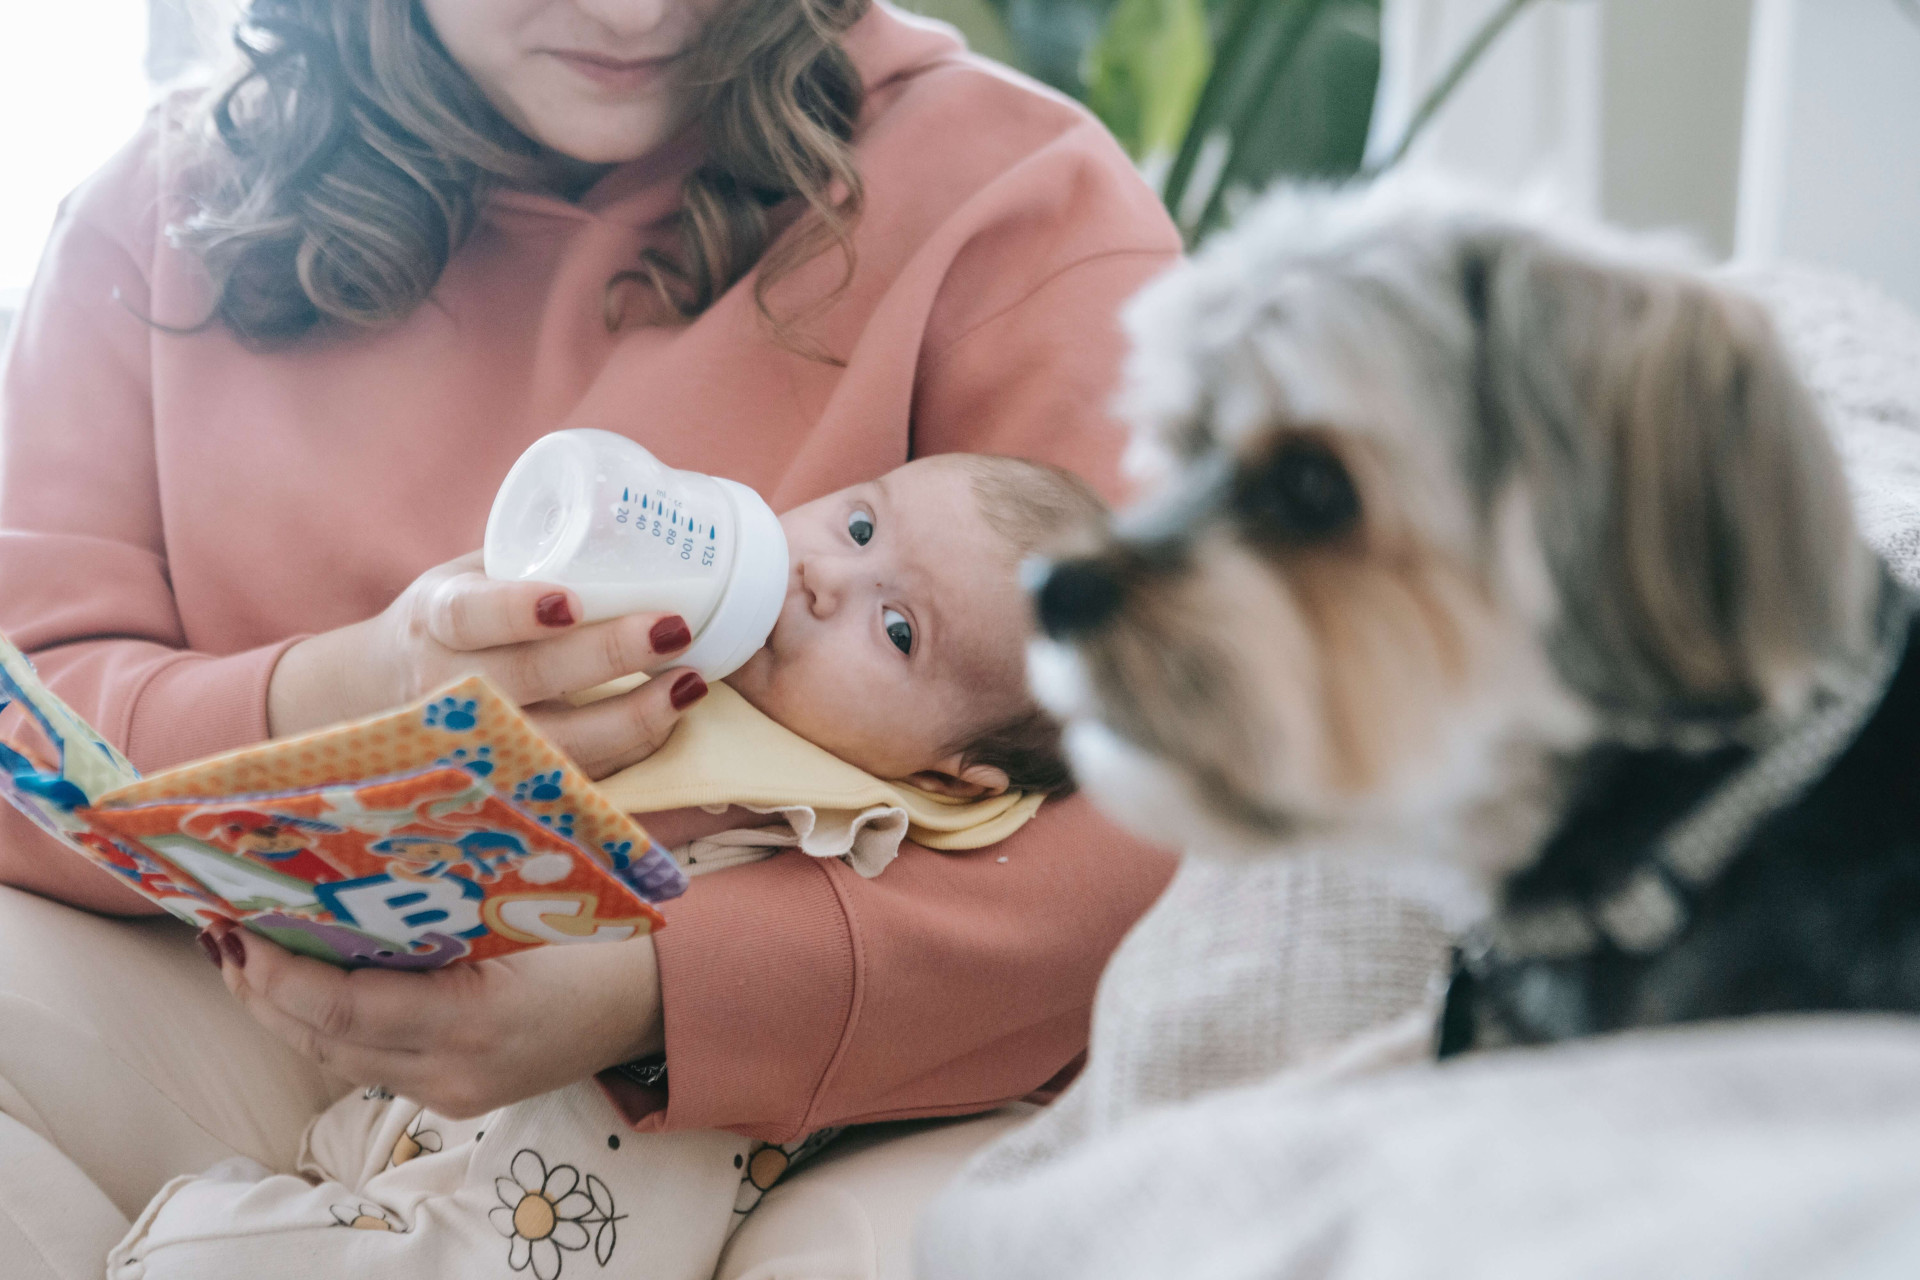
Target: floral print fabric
{"type": "Point", "coordinates": [554, 1188]}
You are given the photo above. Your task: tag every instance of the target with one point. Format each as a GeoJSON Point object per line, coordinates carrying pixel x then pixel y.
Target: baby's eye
{"type": "Point", "coordinates": [860, 528]}
{"type": "Point", "coordinates": [899, 630]}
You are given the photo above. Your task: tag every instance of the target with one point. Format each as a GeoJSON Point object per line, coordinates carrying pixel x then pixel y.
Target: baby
{"type": "Point", "coordinates": [899, 653]}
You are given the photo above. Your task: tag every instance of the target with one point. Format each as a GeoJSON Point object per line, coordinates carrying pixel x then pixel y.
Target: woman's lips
{"type": "Point", "coordinates": [617, 75]}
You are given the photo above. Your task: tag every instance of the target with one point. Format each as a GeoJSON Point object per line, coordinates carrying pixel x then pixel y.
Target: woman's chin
{"type": "Point", "coordinates": [596, 133]}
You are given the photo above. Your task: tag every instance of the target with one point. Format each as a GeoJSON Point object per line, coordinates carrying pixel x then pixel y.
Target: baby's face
{"type": "Point", "coordinates": [903, 627]}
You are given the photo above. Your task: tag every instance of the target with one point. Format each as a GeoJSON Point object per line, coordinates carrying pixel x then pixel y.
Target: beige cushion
{"type": "Point", "coordinates": [54, 1223]}
{"type": "Point", "coordinates": [849, 1215]}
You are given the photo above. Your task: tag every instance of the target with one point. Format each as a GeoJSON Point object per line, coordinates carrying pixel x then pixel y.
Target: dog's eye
{"type": "Point", "coordinates": [1301, 493]}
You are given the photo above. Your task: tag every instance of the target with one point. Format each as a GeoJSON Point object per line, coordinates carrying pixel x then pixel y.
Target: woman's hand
{"type": "Point", "coordinates": [464, 1039]}
{"type": "Point", "coordinates": [454, 621]}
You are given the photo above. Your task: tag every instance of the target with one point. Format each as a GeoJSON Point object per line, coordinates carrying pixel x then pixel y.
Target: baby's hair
{"type": "Point", "coordinates": [1029, 504]}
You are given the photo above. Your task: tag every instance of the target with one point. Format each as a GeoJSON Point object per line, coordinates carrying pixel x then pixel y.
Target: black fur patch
{"type": "Point", "coordinates": [1818, 910]}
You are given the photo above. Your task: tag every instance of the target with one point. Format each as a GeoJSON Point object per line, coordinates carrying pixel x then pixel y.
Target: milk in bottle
{"type": "Point", "coordinates": [594, 511]}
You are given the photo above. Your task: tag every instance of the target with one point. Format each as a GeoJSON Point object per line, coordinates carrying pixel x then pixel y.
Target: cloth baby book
{"type": "Point", "coordinates": [447, 830]}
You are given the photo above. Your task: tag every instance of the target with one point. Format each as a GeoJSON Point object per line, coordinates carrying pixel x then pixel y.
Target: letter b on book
{"type": "Point", "coordinates": [405, 911]}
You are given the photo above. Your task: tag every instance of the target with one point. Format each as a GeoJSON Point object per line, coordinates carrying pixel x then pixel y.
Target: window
{"type": "Point", "coordinates": [73, 87]}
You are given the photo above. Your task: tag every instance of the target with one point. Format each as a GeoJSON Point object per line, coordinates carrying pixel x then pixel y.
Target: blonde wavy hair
{"type": "Point", "coordinates": [350, 156]}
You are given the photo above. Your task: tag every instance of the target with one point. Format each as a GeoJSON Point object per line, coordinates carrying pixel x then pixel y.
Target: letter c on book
{"type": "Point", "coordinates": [559, 918]}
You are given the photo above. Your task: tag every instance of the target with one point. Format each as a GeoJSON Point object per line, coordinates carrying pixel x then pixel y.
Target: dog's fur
{"type": "Point", "coordinates": [1460, 525]}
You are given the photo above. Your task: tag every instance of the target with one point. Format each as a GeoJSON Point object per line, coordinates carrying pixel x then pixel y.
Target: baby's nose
{"type": "Point", "coordinates": [823, 597]}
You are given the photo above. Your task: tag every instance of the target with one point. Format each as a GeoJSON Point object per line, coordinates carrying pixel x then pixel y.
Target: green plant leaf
{"type": "Point", "coordinates": [1146, 72]}
{"type": "Point", "coordinates": [1053, 37]}
{"type": "Point", "coordinates": [1291, 93]}
{"type": "Point", "coordinates": [1313, 119]}
{"type": "Point", "coordinates": [1255, 39]}
{"type": "Point", "coordinates": [980, 21]}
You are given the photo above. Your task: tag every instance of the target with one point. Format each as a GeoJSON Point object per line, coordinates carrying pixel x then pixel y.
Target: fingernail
{"type": "Point", "coordinates": [670, 634]}
{"type": "Point", "coordinates": [687, 690]}
{"type": "Point", "coordinates": [234, 950]}
{"type": "Point", "coordinates": [553, 611]}
{"type": "Point", "coordinates": [208, 945]}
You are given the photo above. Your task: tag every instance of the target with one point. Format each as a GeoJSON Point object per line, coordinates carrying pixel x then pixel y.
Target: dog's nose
{"type": "Point", "coordinates": [1076, 597]}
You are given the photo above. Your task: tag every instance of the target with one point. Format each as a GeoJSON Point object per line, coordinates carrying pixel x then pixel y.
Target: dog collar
{"type": "Point", "coordinates": [1650, 907]}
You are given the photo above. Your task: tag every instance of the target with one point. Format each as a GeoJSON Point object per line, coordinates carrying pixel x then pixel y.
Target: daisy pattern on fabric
{"type": "Point", "coordinates": [362, 1217]}
{"type": "Point", "coordinates": [766, 1163]}
{"type": "Point", "coordinates": [413, 1142]}
{"type": "Point", "coordinates": [542, 1212]}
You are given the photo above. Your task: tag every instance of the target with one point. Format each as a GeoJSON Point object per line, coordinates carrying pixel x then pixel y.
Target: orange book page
{"type": "Point", "coordinates": [443, 831]}
{"type": "Point", "coordinates": [411, 872]}
{"type": "Point", "coordinates": [467, 725]}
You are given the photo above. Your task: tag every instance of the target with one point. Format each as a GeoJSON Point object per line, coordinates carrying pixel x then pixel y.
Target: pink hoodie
{"type": "Point", "coordinates": [176, 510]}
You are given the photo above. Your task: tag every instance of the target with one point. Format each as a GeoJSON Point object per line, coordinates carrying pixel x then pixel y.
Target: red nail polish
{"type": "Point", "coordinates": [234, 950]}
{"type": "Point", "coordinates": [687, 690]}
{"type": "Point", "coordinates": [670, 634]}
{"type": "Point", "coordinates": [208, 945]}
{"type": "Point", "coordinates": [553, 611]}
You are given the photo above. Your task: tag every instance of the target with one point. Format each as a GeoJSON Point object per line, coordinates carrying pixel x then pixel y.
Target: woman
{"type": "Point", "coordinates": [267, 380]}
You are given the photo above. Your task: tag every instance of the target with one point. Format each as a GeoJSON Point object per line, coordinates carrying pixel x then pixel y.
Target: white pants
{"type": "Point", "coordinates": [555, 1186]}
{"type": "Point", "coordinates": [123, 1063]}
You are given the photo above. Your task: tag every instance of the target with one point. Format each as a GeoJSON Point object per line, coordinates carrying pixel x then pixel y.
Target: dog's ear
{"type": "Point", "coordinates": [1689, 503]}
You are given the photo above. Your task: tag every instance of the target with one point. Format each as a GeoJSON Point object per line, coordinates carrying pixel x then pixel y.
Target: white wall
{"type": "Point", "coordinates": [1673, 85]}
{"type": "Point", "coordinates": [71, 91]}
{"type": "Point", "coordinates": [1774, 128]}
{"type": "Point", "coordinates": [1832, 165]}
{"type": "Point", "coordinates": [1527, 120]}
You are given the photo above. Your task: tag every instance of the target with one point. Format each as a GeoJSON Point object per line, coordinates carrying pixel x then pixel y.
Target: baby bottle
{"type": "Point", "coordinates": [594, 511]}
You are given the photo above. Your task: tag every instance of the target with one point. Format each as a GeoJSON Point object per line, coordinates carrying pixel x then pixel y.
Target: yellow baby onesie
{"type": "Point", "coordinates": [726, 752]}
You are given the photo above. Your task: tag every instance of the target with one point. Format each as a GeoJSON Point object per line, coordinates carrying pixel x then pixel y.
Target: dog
{"type": "Point", "coordinates": [1473, 541]}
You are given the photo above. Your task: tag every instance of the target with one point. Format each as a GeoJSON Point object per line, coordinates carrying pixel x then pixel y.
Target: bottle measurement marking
{"type": "Point", "coordinates": [678, 530]}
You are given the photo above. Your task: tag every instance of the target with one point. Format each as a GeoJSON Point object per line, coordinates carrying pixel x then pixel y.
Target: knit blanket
{"type": "Point", "coordinates": [1260, 1099]}
{"type": "Point", "coordinates": [1859, 351]}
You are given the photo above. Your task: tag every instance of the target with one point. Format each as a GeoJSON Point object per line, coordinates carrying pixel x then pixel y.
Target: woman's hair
{"type": "Point", "coordinates": [1029, 505]}
{"type": "Point", "coordinates": [351, 156]}
{"type": "Point", "coordinates": [779, 101]}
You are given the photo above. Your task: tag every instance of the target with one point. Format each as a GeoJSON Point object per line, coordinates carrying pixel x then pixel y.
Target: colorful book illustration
{"type": "Point", "coordinates": [447, 830]}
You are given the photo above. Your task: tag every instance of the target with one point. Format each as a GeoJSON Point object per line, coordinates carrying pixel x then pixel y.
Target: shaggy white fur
{"type": "Point", "coordinates": [1218, 1133]}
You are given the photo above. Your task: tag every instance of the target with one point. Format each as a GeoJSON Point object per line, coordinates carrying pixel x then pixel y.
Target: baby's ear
{"type": "Point", "coordinates": [961, 780]}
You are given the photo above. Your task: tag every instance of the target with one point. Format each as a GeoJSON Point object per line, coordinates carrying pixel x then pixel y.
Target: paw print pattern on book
{"type": "Point", "coordinates": [478, 763]}
{"type": "Point", "coordinates": [539, 789]}
{"type": "Point", "coordinates": [454, 714]}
